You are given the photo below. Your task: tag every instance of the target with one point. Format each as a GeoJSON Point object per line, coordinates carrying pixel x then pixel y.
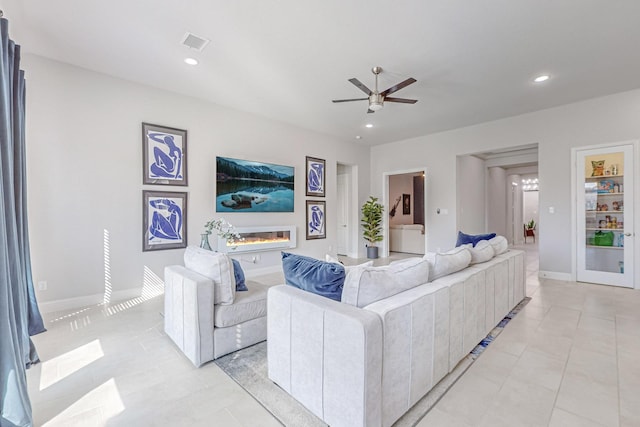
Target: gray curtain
{"type": "Point", "coordinates": [19, 314]}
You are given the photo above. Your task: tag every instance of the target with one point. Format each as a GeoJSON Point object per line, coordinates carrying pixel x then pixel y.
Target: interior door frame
{"type": "Point", "coordinates": [636, 211]}
{"type": "Point", "coordinates": [385, 202]}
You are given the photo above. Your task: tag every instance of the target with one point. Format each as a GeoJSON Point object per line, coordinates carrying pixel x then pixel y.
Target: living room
{"type": "Point", "coordinates": [86, 105]}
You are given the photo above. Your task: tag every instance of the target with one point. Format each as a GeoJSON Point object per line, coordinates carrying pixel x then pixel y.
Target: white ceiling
{"type": "Point", "coordinates": [287, 59]}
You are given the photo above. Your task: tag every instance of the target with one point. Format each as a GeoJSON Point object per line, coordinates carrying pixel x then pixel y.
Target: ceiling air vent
{"type": "Point", "coordinates": [194, 42]}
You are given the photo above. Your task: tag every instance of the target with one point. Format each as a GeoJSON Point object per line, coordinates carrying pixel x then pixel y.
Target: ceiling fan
{"type": "Point", "coordinates": [376, 99]}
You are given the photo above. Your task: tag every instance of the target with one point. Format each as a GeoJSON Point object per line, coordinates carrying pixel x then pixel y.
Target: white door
{"type": "Point", "coordinates": [344, 198]}
{"type": "Point", "coordinates": [604, 209]}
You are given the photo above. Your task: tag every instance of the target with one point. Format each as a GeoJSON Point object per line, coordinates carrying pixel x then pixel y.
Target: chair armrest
{"type": "Point", "coordinates": [327, 355]}
{"type": "Point", "coordinates": [188, 312]}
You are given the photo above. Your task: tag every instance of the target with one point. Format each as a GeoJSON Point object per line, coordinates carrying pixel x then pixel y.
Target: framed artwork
{"type": "Point", "coordinates": [406, 204]}
{"type": "Point", "coordinates": [164, 220]}
{"type": "Point", "coordinates": [164, 155]}
{"type": "Point", "coordinates": [249, 186]}
{"type": "Point", "coordinates": [316, 226]}
{"type": "Point", "coordinates": [315, 176]}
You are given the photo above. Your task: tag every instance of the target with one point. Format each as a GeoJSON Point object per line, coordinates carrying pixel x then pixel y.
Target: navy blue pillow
{"type": "Point", "coordinates": [313, 275]}
{"type": "Point", "coordinates": [464, 239]}
{"type": "Point", "coordinates": [239, 275]}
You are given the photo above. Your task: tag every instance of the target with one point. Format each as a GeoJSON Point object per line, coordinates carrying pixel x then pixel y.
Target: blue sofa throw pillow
{"type": "Point", "coordinates": [239, 275]}
{"type": "Point", "coordinates": [464, 239]}
{"type": "Point", "coordinates": [313, 275]}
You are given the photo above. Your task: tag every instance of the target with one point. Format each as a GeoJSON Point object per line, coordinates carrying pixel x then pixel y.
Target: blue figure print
{"type": "Point", "coordinates": [168, 161]}
{"type": "Point", "coordinates": [166, 222]}
{"type": "Point", "coordinates": [316, 225]}
{"type": "Point", "coordinates": [315, 179]}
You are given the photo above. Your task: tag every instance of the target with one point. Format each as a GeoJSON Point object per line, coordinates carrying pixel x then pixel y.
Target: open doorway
{"type": "Point", "coordinates": [404, 220]}
{"type": "Point", "coordinates": [347, 210]}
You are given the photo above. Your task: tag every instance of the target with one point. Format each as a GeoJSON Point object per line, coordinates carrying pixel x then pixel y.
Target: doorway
{"type": "Point", "coordinates": [347, 210]}
{"type": "Point", "coordinates": [404, 199]}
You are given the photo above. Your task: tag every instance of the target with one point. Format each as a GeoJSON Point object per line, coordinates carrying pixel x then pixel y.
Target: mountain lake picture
{"type": "Point", "coordinates": [247, 186]}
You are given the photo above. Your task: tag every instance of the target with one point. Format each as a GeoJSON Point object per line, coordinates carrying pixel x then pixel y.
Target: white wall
{"type": "Point", "coordinates": [556, 130]}
{"type": "Point", "coordinates": [84, 154]}
{"type": "Point", "coordinates": [497, 201]}
{"type": "Point", "coordinates": [471, 192]}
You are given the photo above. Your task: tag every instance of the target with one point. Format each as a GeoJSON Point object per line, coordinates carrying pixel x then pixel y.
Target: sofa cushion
{"type": "Point", "coordinates": [347, 268]}
{"type": "Point", "coordinates": [238, 274]}
{"type": "Point", "coordinates": [500, 244]}
{"type": "Point", "coordinates": [215, 266]}
{"type": "Point", "coordinates": [247, 306]}
{"type": "Point", "coordinates": [313, 275]}
{"type": "Point", "coordinates": [365, 285]}
{"type": "Point", "coordinates": [442, 264]}
{"type": "Point", "coordinates": [482, 252]}
{"type": "Point", "coordinates": [463, 239]}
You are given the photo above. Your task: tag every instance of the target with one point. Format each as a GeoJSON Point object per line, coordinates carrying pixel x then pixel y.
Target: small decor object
{"type": "Point", "coordinates": [606, 186]}
{"type": "Point", "coordinates": [392, 211]}
{"type": "Point", "coordinates": [223, 229]}
{"type": "Point", "coordinates": [316, 226]}
{"type": "Point", "coordinates": [372, 225]}
{"type": "Point", "coordinates": [406, 204]}
{"type": "Point", "coordinates": [315, 176]}
{"type": "Point", "coordinates": [598, 167]}
{"type": "Point", "coordinates": [164, 155]}
{"type": "Point", "coordinates": [248, 186]}
{"type": "Point", "coordinates": [164, 220]}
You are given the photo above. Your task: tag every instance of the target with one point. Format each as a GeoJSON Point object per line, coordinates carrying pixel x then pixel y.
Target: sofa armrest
{"type": "Point", "coordinates": [327, 355]}
{"type": "Point", "coordinates": [188, 312]}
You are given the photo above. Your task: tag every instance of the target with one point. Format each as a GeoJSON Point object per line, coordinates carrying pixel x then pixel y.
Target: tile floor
{"type": "Point", "coordinates": [570, 358]}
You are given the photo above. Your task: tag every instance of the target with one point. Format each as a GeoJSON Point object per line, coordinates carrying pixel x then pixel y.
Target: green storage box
{"type": "Point", "coordinates": [603, 238]}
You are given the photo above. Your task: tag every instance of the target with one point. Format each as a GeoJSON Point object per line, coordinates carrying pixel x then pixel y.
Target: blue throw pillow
{"type": "Point", "coordinates": [464, 239]}
{"type": "Point", "coordinates": [313, 275]}
{"type": "Point", "coordinates": [239, 275]}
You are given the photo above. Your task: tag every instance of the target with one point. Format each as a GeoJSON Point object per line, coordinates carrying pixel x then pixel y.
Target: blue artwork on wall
{"type": "Point", "coordinates": [249, 186]}
{"type": "Point", "coordinates": [316, 226]}
{"type": "Point", "coordinates": [164, 220]}
{"type": "Point", "coordinates": [315, 176]}
{"type": "Point", "coordinates": [164, 156]}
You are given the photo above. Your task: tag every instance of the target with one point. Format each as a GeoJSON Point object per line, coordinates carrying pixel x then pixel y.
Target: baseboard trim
{"type": "Point", "coordinates": [84, 301]}
{"type": "Point", "coordinates": [555, 275]}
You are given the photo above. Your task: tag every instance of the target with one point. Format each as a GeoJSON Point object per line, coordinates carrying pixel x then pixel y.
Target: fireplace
{"type": "Point", "coordinates": [261, 239]}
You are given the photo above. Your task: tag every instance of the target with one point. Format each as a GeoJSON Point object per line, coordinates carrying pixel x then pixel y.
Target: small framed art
{"type": "Point", "coordinates": [316, 226]}
{"type": "Point", "coordinates": [164, 155]}
{"type": "Point", "coordinates": [164, 220]}
{"type": "Point", "coordinates": [406, 204]}
{"type": "Point", "coordinates": [315, 176]}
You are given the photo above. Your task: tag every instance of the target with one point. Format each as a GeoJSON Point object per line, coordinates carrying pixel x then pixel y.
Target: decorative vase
{"type": "Point", "coordinates": [204, 242]}
{"type": "Point", "coordinates": [372, 252]}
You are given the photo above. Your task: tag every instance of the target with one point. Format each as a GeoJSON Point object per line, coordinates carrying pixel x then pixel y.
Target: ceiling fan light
{"type": "Point", "coordinates": [375, 106]}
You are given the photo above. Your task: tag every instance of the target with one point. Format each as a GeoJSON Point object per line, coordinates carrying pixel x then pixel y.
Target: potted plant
{"type": "Point", "coordinates": [531, 225]}
{"type": "Point", "coordinates": [372, 225]}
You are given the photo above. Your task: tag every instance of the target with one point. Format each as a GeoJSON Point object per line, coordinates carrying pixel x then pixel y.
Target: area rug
{"type": "Point", "coordinates": [248, 367]}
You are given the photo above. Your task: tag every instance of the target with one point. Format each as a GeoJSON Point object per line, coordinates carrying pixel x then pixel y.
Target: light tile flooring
{"type": "Point", "coordinates": [570, 358]}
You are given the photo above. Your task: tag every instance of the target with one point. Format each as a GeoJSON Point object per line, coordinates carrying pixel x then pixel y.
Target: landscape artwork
{"type": "Point", "coordinates": [249, 186]}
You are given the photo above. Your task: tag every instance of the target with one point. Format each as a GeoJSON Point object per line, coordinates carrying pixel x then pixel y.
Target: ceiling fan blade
{"type": "Point", "coordinates": [349, 100]}
{"type": "Point", "coordinates": [398, 86]}
{"type": "Point", "coordinates": [401, 100]}
{"type": "Point", "coordinates": [360, 86]}
{"type": "Point", "coordinates": [369, 110]}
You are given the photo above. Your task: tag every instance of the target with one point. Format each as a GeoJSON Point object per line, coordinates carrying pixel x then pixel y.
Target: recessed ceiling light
{"type": "Point", "coordinates": [191, 61]}
{"type": "Point", "coordinates": [358, 137]}
{"type": "Point", "coordinates": [542, 78]}
{"type": "Point", "coordinates": [368, 125]}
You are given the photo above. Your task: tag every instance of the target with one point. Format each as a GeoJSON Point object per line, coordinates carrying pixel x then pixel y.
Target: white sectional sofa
{"type": "Point", "coordinates": [407, 238]}
{"type": "Point", "coordinates": [367, 366]}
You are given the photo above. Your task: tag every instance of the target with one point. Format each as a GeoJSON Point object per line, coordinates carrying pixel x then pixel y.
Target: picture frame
{"type": "Point", "coordinates": [253, 186]}
{"type": "Point", "coordinates": [406, 204]}
{"type": "Point", "coordinates": [164, 220]}
{"type": "Point", "coordinates": [315, 176]}
{"type": "Point", "coordinates": [164, 155]}
{"type": "Point", "coordinates": [316, 219]}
